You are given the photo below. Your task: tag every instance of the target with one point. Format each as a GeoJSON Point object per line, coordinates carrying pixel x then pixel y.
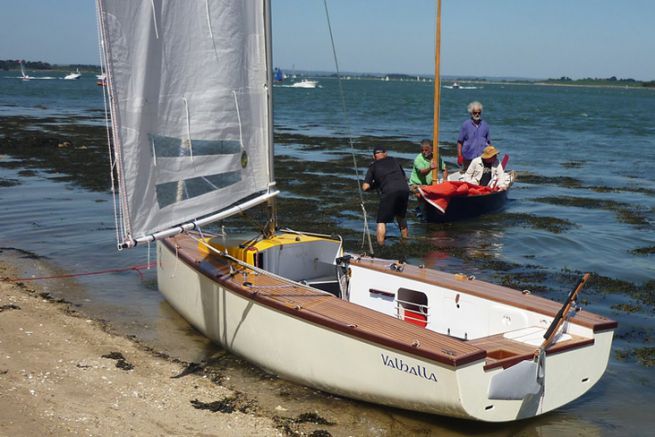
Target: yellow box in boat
{"type": "Point", "coordinates": [248, 250]}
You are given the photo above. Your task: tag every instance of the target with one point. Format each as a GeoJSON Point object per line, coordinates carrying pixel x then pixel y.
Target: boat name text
{"type": "Point", "coordinates": [412, 369]}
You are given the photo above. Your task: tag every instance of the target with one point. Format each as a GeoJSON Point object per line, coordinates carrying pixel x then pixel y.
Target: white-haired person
{"type": "Point", "coordinates": [485, 170]}
{"type": "Point", "coordinates": [473, 136]}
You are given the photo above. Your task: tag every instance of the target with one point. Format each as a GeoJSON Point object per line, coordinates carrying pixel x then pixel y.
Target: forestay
{"type": "Point", "coordinates": [189, 104]}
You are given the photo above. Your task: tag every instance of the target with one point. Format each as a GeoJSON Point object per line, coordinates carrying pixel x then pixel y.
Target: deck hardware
{"type": "Point", "coordinates": [489, 407]}
{"type": "Point", "coordinates": [526, 292]}
{"type": "Point", "coordinates": [352, 325]}
{"type": "Point", "coordinates": [416, 344]}
{"type": "Point", "coordinates": [247, 284]}
{"type": "Point", "coordinates": [298, 307]}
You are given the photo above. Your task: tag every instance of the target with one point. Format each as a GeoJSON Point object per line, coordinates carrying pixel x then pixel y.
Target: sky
{"type": "Point", "coordinates": [490, 38]}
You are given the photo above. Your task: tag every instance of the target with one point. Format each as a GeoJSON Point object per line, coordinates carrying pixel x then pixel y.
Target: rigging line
{"type": "Point", "coordinates": [209, 21]}
{"type": "Point", "coordinates": [154, 18]}
{"type": "Point", "coordinates": [236, 105]}
{"type": "Point", "coordinates": [188, 127]}
{"type": "Point", "coordinates": [367, 231]}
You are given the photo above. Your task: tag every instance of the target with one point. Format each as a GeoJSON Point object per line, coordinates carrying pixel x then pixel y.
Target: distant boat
{"type": "Point", "coordinates": [456, 85]}
{"type": "Point", "coordinates": [23, 75]}
{"type": "Point", "coordinates": [73, 76]}
{"type": "Point", "coordinates": [101, 79]}
{"type": "Point", "coordinates": [278, 75]}
{"type": "Point", "coordinates": [305, 83]}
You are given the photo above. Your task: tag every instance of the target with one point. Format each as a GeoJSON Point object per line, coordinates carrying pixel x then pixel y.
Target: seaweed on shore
{"type": "Point", "coordinates": [6, 183]}
{"type": "Point", "coordinates": [643, 355]}
{"type": "Point", "coordinates": [60, 146]}
{"type": "Point", "coordinates": [644, 251]}
{"type": "Point", "coordinates": [8, 307]}
{"type": "Point", "coordinates": [121, 362]}
{"type": "Point", "coordinates": [562, 181]}
{"type": "Point", "coordinates": [291, 426]}
{"type": "Point", "coordinates": [227, 405]}
{"type": "Point", "coordinates": [550, 224]}
{"type": "Point", "coordinates": [625, 212]}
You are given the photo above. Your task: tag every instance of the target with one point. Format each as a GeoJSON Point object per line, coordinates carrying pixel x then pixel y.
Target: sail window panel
{"type": "Point", "coordinates": [172, 147]}
{"type": "Point", "coordinates": [177, 169]}
{"type": "Point", "coordinates": [173, 192]}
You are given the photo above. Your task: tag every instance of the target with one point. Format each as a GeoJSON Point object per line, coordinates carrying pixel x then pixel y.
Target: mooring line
{"type": "Point", "coordinates": [136, 268]}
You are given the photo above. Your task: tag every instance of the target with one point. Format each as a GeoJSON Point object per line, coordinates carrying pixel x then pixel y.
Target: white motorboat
{"type": "Point", "coordinates": [305, 83]}
{"type": "Point", "coordinates": [73, 76]}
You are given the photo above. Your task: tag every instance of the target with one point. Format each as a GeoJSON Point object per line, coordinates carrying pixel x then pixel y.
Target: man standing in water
{"type": "Point", "coordinates": [473, 136]}
{"type": "Point", "coordinates": [386, 174]}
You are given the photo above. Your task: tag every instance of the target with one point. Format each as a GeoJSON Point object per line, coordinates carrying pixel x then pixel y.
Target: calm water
{"type": "Point", "coordinates": [601, 138]}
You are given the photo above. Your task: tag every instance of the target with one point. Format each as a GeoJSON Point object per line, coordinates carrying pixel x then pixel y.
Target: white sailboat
{"type": "Point", "coordinates": [73, 76]}
{"type": "Point", "coordinates": [24, 75]}
{"type": "Point", "coordinates": [192, 141]}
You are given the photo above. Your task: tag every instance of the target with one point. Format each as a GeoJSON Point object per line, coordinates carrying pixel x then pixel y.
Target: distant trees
{"type": "Point", "coordinates": [613, 80]}
{"type": "Point", "coordinates": [13, 64]}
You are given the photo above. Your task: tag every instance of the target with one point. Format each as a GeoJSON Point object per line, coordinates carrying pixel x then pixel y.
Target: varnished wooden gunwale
{"type": "Point", "coordinates": [488, 291]}
{"type": "Point", "coordinates": [329, 311]}
{"type": "Point", "coordinates": [521, 351]}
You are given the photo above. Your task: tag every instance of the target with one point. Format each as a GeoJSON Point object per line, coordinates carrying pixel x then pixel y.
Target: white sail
{"type": "Point", "coordinates": [189, 102]}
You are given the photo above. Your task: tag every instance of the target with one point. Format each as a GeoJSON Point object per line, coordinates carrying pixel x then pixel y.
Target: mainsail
{"type": "Point", "coordinates": [189, 98]}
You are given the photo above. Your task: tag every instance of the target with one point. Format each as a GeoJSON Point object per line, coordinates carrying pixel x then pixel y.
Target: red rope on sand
{"type": "Point", "coordinates": [101, 272]}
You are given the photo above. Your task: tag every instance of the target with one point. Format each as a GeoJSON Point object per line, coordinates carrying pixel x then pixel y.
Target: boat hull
{"type": "Point", "coordinates": [315, 354]}
{"type": "Point", "coordinates": [466, 207]}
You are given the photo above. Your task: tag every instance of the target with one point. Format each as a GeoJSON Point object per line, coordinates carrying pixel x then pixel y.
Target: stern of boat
{"type": "Point", "coordinates": [567, 375]}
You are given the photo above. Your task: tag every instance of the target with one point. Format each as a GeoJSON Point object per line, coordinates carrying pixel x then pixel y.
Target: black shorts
{"type": "Point", "coordinates": [392, 205]}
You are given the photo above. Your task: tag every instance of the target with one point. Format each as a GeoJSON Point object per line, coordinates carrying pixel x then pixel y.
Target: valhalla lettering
{"type": "Point", "coordinates": [415, 370]}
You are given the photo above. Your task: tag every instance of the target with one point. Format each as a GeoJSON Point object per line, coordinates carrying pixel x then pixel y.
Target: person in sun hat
{"type": "Point", "coordinates": [473, 136]}
{"type": "Point", "coordinates": [485, 170]}
{"type": "Point", "coordinates": [387, 175]}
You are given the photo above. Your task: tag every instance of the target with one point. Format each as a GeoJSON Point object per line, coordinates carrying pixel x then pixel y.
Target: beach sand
{"type": "Point", "coordinates": [54, 379]}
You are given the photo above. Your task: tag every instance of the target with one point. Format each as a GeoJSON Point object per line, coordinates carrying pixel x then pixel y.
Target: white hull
{"type": "Point", "coordinates": [316, 355]}
{"type": "Point", "coordinates": [305, 84]}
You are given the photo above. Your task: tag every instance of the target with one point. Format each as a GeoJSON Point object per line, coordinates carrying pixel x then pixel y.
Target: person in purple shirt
{"type": "Point", "coordinates": [473, 137]}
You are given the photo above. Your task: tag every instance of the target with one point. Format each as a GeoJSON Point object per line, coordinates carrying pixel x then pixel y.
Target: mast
{"type": "Point", "coordinates": [272, 204]}
{"type": "Point", "coordinates": [437, 96]}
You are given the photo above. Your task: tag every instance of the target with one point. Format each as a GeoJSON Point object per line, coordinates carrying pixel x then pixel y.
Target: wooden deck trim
{"type": "Point", "coordinates": [401, 335]}
{"type": "Point", "coordinates": [488, 291]}
{"type": "Point", "coordinates": [522, 351]}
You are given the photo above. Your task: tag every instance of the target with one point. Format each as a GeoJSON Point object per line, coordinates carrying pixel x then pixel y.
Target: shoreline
{"type": "Point", "coordinates": [62, 373]}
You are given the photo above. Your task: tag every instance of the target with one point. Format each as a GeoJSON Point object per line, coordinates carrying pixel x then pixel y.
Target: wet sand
{"type": "Point", "coordinates": [61, 374]}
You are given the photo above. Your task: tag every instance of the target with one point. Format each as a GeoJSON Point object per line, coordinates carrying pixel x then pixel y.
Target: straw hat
{"type": "Point", "coordinates": [489, 152]}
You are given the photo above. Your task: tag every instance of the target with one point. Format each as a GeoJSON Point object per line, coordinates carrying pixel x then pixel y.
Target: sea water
{"type": "Point", "coordinates": [586, 203]}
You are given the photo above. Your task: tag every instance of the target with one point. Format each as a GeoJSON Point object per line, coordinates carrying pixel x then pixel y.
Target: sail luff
{"type": "Point", "coordinates": [269, 87]}
{"type": "Point", "coordinates": [114, 146]}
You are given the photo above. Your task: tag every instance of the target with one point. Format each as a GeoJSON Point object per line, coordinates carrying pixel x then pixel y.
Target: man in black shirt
{"type": "Point", "coordinates": [386, 174]}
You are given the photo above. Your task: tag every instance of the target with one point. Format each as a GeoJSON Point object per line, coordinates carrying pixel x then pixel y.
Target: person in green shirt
{"type": "Point", "coordinates": [423, 166]}
{"type": "Point", "coordinates": [422, 173]}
